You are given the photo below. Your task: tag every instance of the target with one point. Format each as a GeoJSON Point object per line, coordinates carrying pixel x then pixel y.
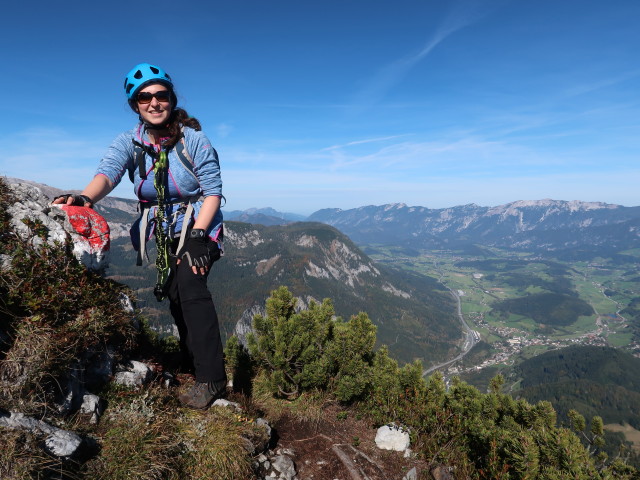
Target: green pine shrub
{"type": "Point", "coordinates": [483, 436]}
{"type": "Point", "coordinates": [311, 350]}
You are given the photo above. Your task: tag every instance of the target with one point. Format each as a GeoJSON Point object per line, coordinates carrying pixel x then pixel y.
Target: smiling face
{"type": "Point", "coordinates": [158, 110]}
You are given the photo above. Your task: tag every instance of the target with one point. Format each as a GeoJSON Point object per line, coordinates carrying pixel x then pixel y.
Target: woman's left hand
{"type": "Point", "coordinates": [196, 253]}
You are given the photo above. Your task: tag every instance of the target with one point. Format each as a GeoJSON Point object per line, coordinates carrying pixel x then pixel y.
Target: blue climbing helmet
{"type": "Point", "coordinates": [142, 75]}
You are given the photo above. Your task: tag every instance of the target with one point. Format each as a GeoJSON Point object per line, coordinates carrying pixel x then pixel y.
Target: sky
{"type": "Point", "coordinates": [341, 104]}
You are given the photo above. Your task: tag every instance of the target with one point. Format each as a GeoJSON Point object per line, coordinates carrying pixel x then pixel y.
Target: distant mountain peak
{"type": "Point", "coordinates": [535, 225]}
{"type": "Point", "coordinates": [395, 206]}
{"type": "Point", "coordinates": [573, 205]}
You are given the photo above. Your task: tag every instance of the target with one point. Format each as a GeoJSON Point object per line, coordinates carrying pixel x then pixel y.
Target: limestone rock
{"type": "Point", "coordinates": [392, 437]}
{"type": "Point", "coordinates": [87, 229]}
{"type": "Point", "coordinates": [221, 402]}
{"type": "Point", "coordinates": [90, 234]}
{"type": "Point", "coordinates": [134, 374]}
{"type": "Point", "coordinates": [284, 466]}
{"type": "Point", "coordinates": [73, 390]}
{"type": "Point", "coordinates": [60, 443]}
{"type": "Point", "coordinates": [91, 404]}
{"type": "Point", "coordinates": [411, 474]}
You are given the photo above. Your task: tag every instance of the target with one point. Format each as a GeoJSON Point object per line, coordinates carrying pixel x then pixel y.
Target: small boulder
{"type": "Point", "coordinates": [284, 465]}
{"type": "Point", "coordinates": [222, 402]}
{"type": "Point", "coordinates": [91, 404]}
{"type": "Point", "coordinates": [411, 474]}
{"type": "Point", "coordinates": [62, 443]}
{"type": "Point", "coordinates": [135, 374]}
{"type": "Point", "coordinates": [392, 437]}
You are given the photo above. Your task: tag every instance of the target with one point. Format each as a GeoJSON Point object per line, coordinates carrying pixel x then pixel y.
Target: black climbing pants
{"type": "Point", "coordinates": [195, 316]}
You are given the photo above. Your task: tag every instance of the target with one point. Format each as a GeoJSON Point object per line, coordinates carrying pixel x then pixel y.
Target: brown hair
{"type": "Point", "coordinates": [179, 118]}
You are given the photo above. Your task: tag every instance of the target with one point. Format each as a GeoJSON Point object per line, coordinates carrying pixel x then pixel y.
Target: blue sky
{"type": "Point", "coordinates": [315, 104]}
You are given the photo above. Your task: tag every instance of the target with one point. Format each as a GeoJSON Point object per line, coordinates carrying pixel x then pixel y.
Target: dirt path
{"type": "Point", "coordinates": [333, 449]}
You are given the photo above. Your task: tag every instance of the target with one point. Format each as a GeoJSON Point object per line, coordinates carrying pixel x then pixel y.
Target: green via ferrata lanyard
{"type": "Point", "coordinates": [160, 169]}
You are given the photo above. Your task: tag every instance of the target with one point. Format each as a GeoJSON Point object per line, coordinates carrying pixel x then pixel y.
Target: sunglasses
{"type": "Point", "coordinates": [163, 96]}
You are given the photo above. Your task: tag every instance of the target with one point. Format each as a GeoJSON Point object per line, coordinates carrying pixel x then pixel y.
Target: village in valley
{"type": "Point", "coordinates": [482, 286]}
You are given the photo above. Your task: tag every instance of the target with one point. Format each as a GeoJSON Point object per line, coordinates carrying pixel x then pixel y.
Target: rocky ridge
{"type": "Point", "coordinates": [542, 225]}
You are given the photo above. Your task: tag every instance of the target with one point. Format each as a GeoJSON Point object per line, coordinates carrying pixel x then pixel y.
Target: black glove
{"type": "Point", "coordinates": [196, 251]}
{"type": "Point", "coordinates": [78, 200]}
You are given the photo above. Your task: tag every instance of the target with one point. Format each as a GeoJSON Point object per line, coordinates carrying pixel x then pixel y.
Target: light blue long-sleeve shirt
{"type": "Point", "coordinates": [183, 183]}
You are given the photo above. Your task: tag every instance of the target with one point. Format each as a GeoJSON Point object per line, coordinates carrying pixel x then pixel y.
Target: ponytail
{"type": "Point", "coordinates": [179, 118]}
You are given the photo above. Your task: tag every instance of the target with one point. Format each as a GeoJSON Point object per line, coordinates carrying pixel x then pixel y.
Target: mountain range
{"type": "Point", "coordinates": [542, 226]}
{"type": "Point", "coordinates": [263, 216]}
{"type": "Point", "coordinates": [538, 226]}
{"type": "Point", "coordinates": [414, 314]}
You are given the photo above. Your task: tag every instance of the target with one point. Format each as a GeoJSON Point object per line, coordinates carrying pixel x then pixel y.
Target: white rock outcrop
{"type": "Point", "coordinates": [87, 229]}
{"type": "Point", "coordinates": [134, 374]}
{"type": "Point", "coordinates": [392, 437]}
{"type": "Point", "coordinates": [60, 443]}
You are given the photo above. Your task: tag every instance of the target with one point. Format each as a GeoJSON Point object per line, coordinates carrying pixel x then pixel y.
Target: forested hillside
{"type": "Point", "coordinates": [414, 314]}
{"type": "Point", "coordinates": [594, 380]}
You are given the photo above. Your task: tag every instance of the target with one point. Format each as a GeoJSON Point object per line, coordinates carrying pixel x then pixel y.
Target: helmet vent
{"type": "Point", "coordinates": [155, 70]}
{"type": "Point", "coordinates": [129, 87]}
{"type": "Point", "coordinates": [137, 75]}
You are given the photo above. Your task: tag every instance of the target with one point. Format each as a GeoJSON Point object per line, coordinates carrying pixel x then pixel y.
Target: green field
{"type": "Point", "coordinates": [484, 284]}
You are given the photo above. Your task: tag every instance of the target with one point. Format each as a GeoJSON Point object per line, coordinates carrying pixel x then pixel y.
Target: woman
{"type": "Point", "coordinates": [176, 176]}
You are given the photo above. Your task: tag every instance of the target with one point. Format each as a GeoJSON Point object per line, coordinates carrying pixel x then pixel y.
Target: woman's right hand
{"type": "Point", "coordinates": [74, 199]}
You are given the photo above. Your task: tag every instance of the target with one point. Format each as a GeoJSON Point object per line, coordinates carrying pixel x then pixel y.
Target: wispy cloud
{"type": "Point", "coordinates": [461, 14]}
{"type": "Point", "coordinates": [49, 156]}
{"type": "Point", "coordinates": [367, 140]}
{"type": "Point", "coordinates": [223, 130]}
{"type": "Point", "coordinates": [463, 153]}
{"type": "Point", "coordinates": [595, 85]}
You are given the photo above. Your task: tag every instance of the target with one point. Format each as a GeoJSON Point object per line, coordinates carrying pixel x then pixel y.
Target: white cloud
{"type": "Point", "coordinates": [223, 130]}
{"type": "Point", "coordinates": [461, 13]}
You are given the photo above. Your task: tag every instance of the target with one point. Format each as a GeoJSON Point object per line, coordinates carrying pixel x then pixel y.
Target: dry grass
{"type": "Point", "coordinates": [218, 445]}
{"type": "Point", "coordinates": [21, 458]}
{"type": "Point", "coordinates": [146, 435]}
{"type": "Point", "coordinates": [308, 407]}
{"type": "Point", "coordinates": [137, 438]}
{"type": "Point", "coordinates": [31, 359]}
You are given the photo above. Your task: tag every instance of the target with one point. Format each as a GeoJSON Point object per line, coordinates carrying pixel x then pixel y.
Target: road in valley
{"type": "Point", "coordinates": [471, 336]}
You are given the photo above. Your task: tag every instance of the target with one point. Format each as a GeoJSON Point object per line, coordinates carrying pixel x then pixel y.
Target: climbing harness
{"type": "Point", "coordinates": [163, 238]}
{"type": "Point", "coordinates": [164, 235]}
{"type": "Point", "coordinates": [160, 169]}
